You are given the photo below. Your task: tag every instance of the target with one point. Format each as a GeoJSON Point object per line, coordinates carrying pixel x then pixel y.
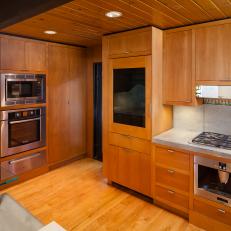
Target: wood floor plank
{"type": "Point", "coordinates": [78, 198]}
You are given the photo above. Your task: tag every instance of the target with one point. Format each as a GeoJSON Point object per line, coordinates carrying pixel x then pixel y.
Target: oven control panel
{"type": "Point", "coordinates": [27, 114]}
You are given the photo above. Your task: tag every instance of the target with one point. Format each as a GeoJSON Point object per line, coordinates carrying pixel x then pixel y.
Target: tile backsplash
{"type": "Point", "coordinates": [213, 118]}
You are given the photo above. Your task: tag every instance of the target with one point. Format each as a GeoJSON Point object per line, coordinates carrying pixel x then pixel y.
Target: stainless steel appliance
{"type": "Point", "coordinates": [212, 180]}
{"type": "Point", "coordinates": [16, 166]}
{"type": "Point", "coordinates": [23, 89]}
{"type": "Point", "coordinates": [213, 139]}
{"type": "Point", "coordinates": [22, 130]}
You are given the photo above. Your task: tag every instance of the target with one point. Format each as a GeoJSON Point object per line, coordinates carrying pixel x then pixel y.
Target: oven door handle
{"type": "Point", "coordinates": [23, 121]}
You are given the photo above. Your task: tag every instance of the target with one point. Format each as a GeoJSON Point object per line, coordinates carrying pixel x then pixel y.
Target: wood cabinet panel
{"type": "Point", "coordinates": [36, 56]}
{"type": "Point", "coordinates": [66, 114]}
{"type": "Point", "coordinates": [178, 75]}
{"type": "Point", "coordinates": [126, 63]}
{"type": "Point", "coordinates": [172, 158]}
{"type": "Point", "coordinates": [172, 178]}
{"type": "Point", "coordinates": [130, 142]}
{"type": "Point", "coordinates": [213, 53]}
{"type": "Point", "coordinates": [131, 43]}
{"type": "Point", "coordinates": [131, 169]}
{"type": "Point", "coordinates": [172, 198]}
{"type": "Point", "coordinates": [12, 54]}
{"type": "Point", "coordinates": [218, 213]}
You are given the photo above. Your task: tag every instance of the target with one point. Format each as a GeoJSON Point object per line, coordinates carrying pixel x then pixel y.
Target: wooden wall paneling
{"type": "Point", "coordinates": [94, 55]}
{"type": "Point", "coordinates": [83, 22]}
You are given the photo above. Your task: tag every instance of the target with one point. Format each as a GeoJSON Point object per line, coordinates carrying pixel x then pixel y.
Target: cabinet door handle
{"type": "Point", "coordinates": [169, 150]}
{"type": "Point", "coordinates": [170, 171]}
{"type": "Point", "coordinates": [171, 192]}
{"type": "Point", "coordinates": [221, 211]}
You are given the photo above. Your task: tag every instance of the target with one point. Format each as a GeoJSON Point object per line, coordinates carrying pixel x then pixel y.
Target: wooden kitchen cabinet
{"type": "Point", "coordinates": [213, 53]}
{"type": "Point", "coordinates": [178, 82]}
{"type": "Point", "coordinates": [131, 169]}
{"type": "Point", "coordinates": [131, 43]}
{"type": "Point", "coordinates": [171, 177]}
{"type": "Point", "coordinates": [36, 56]}
{"type": "Point", "coordinates": [130, 96]}
{"type": "Point", "coordinates": [66, 100]}
{"type": "Point", "coordinates": [18, 54]}
{"type": "Point", "coordinates": [12, 54]}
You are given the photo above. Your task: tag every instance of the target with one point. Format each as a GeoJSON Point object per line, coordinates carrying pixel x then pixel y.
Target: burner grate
{"type": "Point", "coordinates": [213, 139]}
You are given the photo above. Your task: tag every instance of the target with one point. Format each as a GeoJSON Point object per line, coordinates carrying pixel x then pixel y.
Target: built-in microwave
{"type": "Point", "coordinates": [23, 89]}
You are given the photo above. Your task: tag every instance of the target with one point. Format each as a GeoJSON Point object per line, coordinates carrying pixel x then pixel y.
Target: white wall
{"type": "Point", "coordinates": [213, 118]}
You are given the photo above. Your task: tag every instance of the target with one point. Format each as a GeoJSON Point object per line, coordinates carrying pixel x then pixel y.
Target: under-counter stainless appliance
{"type": "Point", "coordinates": [23, 89]}
{"type": "Point", "coordinates": [22, 130]}
{"type": "Point", "coordinates": [213, 139]}
{"type": "Point", "coordinates": [212, 180]}
{"type": "Point", "coordinates": [17, 166]}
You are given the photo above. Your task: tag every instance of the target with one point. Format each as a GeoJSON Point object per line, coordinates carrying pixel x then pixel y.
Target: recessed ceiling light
{"type": "Point", "coordinates": [50, 32]}
{"type": "Point", "coordinates": [113, 14]}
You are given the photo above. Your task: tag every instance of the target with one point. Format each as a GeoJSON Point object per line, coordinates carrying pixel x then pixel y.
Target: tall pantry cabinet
{"type": "Point", "coordinates": [132, 106]}
{"type": "Point", "coordinates": [66, 99]}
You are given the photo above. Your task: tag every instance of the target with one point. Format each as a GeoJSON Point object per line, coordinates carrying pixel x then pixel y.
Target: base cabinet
{"type": "Point", "coordinates": [130, 168]}
{"type": "Point", "coordinates": [171, 178]}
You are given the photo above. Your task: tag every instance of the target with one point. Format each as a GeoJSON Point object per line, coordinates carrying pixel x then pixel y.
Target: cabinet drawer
{"type": "Point", "coordinates": [217, 213]}
{"type": "Point", "coordinates": [130, 142]}
{"type": "Point", "coordinates": [172, 178]}
{"type": "Point", "coordinates": [172, 158]}
{"type": "Point", "coordinates": [175, 199]}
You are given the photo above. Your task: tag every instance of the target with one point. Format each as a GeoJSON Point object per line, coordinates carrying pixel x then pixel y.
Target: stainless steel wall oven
{"type": "Point", "coordinates": [212, 180]}
{"type": "Point", "coordinates": [22, 130]}
{"type": "Point", "coordinates": [23, 89]}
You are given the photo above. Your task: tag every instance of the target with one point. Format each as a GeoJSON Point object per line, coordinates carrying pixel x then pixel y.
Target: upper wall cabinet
{"type": "Point", "coordinates": [178, 74]}
{"type": "Point", "coordinates": [23, 54]}
{"type": "Point", "coordinates": [130, 43]}
{"type": "Point", "coordinates": [213, 53]}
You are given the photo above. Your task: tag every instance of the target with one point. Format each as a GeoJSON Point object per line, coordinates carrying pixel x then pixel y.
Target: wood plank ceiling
{"type": "Point", "coordinates": [83, 22]}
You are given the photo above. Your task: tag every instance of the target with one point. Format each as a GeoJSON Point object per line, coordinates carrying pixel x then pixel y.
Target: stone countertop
{"type": "Point", "coordinates": [182, 139]}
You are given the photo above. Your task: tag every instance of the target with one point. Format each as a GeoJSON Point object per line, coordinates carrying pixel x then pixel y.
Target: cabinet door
{"type": "Point", "coordinates": [130, 96]}
{"type": "Point", "coordinates": [36, 59]}
{"type": "Point", "coordinates": [12, 54]}
{"type": "Point", "coordinates": [117, 46]}
{"type": "Point", "coordinates": [213, 53]}
{"type": "Point", "coordinates": [177, 87]}
{"type": "Point", "coordinates": [58, 98]}
{"type": "Point", "coordinates": [77, 103]}
{"type": "Point", "coordinates": [131, 169]}
{"type": "Point", "coordinates": [139, 43]}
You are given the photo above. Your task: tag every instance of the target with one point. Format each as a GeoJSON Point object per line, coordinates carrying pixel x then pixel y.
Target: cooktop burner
{"type": "Point", "coordinates": [213, 139]}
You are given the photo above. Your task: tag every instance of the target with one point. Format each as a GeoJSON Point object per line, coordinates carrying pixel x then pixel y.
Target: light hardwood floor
{"type": "Point", "coordinates": [78, 197]}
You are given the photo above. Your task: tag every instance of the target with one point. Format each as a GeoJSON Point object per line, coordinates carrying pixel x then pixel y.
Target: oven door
{"type": "Point", "coordinates": [207, 182]}
{"type": "Point", "coordinates": [22, 135]}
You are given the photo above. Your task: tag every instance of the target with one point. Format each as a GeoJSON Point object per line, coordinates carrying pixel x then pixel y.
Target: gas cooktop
{"type": "Point", "coordinates": [213, 139]}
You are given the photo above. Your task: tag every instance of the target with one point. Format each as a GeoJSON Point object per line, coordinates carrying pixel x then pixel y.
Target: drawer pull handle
{"type": "Point", "coordinates": [169, 150]}
{"type": "Point", "coordinates": [221, 211]}
{"type": "Point", "coordinates": [171, 171]}
{"type": "Point", "coordinates": [171, 192]}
